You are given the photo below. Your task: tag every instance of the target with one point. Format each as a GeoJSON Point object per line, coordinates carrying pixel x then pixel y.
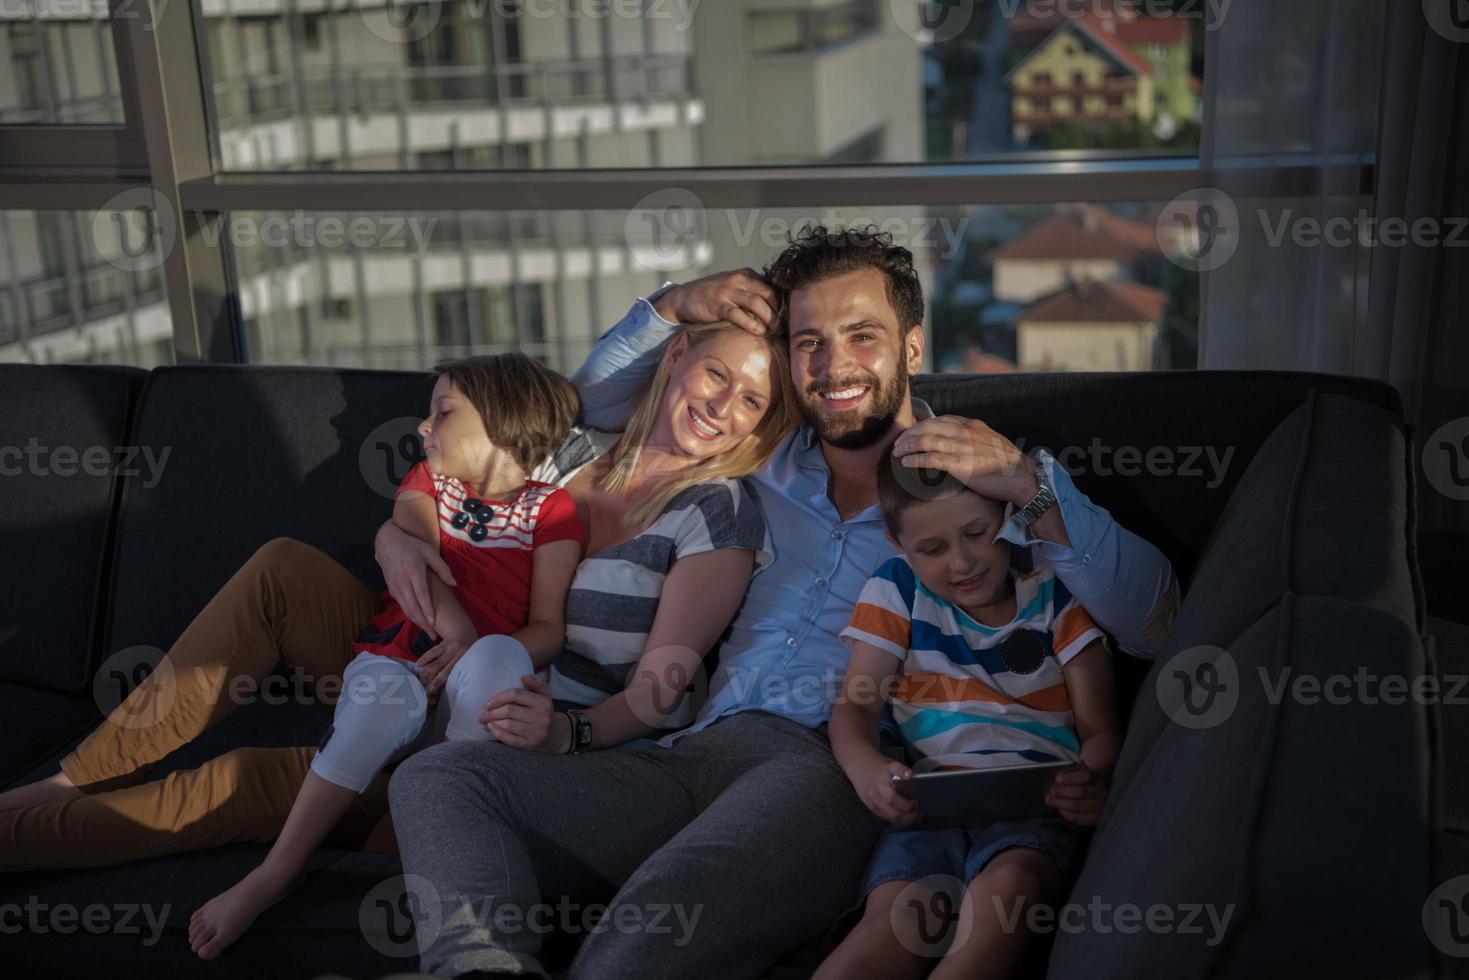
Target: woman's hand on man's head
{"type": "Point", "coordinates": [740, 296]}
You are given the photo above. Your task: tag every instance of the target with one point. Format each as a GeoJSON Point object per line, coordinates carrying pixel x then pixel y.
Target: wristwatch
{"type": "Point", "coordinates": [581, 731]}
{"type": "Point", "coordinates": [1044, 499]}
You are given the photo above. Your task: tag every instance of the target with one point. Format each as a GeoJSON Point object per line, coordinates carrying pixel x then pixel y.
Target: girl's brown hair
{"type": "Point", "coordinates": [527, 408]}
{"type": "Point", "coordinates": [745, 458]}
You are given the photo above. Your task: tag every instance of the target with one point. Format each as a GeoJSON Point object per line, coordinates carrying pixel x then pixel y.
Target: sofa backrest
{"type": "Point", "coordinates": [61, 429]}
{"type": "Point", "coordinates": [1268, 773]}
{"type": "Point", "coordinates": [252, 454]}
{"type": "Point", "coordinates": [1199, 429]}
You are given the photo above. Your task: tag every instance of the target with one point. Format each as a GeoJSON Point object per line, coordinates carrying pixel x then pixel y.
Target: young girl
{"type": "Point", "coordinates": [511, 544]}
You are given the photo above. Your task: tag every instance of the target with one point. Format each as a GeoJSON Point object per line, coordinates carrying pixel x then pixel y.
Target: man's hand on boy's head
{"type": "Point", "coordinates": [1079, 794]}
{"type": "Point", "coordinates": [971, 452]}
{"type": "Point", "coordinates": [741, 297]}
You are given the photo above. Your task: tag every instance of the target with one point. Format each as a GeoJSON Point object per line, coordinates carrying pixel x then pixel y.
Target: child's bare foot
{"type": "Point", "coordinates": [57, 787]}
{"type": "Point", "coordinates": [226, 916]}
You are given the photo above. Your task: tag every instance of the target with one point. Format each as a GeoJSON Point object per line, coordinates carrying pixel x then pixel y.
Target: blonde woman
{"type": "Point", "coordinates": [719, 405]}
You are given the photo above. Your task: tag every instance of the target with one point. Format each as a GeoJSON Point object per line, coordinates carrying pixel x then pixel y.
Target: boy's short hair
{"type": "Point", "coordinates": [527, 408]}
{"type": "Point", "coordinates": [899, 488]}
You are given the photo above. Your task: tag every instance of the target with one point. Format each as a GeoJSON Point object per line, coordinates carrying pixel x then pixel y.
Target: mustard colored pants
{"type": "Point", "coordinates": [289, 602]}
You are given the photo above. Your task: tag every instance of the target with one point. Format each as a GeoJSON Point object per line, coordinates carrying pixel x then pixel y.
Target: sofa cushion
{"type": "Point", "coordinates": [1247, 800]}
{"type": "Point", "coordinates": [1267, 815]}
{"type": "Point", "coordinates": [39, 724]}
{"type": "Point", "coordinates": [59, 430]}
{"type": "Point", "coordinates": [1204, 428]}
{"type": "Point", "coordinates": [255, 453]}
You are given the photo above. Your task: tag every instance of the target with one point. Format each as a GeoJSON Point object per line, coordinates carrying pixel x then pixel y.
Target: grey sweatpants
{"type": "Point", "coordinates": [715, 857]}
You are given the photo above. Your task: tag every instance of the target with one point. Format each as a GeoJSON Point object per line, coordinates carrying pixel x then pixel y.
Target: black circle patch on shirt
{"type": "Point", "coordinates": [1024, 651]}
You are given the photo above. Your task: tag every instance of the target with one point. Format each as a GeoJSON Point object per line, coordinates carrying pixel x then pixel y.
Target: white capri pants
{"type": "Point", "coordinates": [383, 716]}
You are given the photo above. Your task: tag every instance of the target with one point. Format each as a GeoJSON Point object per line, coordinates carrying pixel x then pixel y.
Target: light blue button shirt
{"type": "Point", "coordinates": [783, 653]}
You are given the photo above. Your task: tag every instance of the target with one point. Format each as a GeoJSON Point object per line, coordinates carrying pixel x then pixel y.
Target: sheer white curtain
{"type": "Point", "coordinates": [1300, 97]}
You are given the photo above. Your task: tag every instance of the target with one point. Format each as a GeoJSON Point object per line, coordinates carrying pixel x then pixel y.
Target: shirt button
{"type": "Point", "coordinates": [1086, 559]}
{"type": "Point", "coordinates": [836, 535]}
{"type": "Point", "coordinates": [790, 641]}
{"type": "Point", "coordinates": [821, 583]}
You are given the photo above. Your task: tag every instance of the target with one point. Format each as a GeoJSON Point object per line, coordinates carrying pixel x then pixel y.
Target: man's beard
{"type": "Point", "coordinates": [839, 431]}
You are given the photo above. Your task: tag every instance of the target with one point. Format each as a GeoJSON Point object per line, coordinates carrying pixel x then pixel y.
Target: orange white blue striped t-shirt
{"type": "Point", "coordinates": [973, 696]}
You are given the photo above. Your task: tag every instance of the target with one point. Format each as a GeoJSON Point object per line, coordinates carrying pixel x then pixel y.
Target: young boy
{"type": "Point", "coordinates": [983, 666]}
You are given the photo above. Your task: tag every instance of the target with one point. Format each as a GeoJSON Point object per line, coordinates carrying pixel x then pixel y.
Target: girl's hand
{"type": "Point", "coordinates": [873, 781]}
{"type": "Point", "coordinates": [521, 716]}
{"type": "Point", "coordinates": [434, 666]}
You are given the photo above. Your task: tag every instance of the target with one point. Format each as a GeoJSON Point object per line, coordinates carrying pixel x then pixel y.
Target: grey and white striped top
{"type": "Point", "coordinates": [614, 595]}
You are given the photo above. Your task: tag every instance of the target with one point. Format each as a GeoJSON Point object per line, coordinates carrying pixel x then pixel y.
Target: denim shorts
{"type": "Point", "coordinates": [909, 855]}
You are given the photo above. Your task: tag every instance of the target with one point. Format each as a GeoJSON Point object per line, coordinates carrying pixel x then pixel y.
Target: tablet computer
{"type": "Point", "coordinates": [977, 797]}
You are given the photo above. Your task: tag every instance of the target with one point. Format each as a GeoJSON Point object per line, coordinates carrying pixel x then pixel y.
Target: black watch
{"type": "Point", "coordinates": [581, 731]}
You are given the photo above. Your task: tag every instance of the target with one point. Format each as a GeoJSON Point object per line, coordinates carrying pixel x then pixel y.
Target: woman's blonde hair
{"type": "Point", "coordinates": [742, 460]}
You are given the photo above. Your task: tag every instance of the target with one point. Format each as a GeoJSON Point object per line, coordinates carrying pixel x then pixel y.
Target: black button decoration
{"type": "Point", "coordinates": [476, 515]}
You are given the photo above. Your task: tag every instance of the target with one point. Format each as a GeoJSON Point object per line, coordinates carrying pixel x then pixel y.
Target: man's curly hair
{"type": "Point", "coordinates": [816, 253]}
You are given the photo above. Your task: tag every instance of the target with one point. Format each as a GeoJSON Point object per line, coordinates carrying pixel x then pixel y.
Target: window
{"type": "Point", "coordinates": [542, 262]}
{"type": "Point", "coordinates": [82, 287]}
{"type": "Point", "coordinates": [59, 69]}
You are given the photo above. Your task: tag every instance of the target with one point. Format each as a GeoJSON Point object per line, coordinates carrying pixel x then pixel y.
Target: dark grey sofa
{"type": "Point", "coordinates": [1315, 824]}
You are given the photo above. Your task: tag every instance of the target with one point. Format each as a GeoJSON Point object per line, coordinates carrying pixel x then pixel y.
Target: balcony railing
{"type": "Point", "coordinates": [363, 92]}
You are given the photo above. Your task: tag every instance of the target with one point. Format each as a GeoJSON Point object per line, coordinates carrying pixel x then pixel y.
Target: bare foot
{"type": "Point", "coordinates": [226, 916]}
{"type": "Point", "coordinates": [57, 787]}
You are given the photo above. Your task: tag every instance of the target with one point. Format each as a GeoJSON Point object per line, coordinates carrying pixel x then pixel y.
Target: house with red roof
{"type": "Point", "coordinates": [1092, 326]}
{"type": "Point", "coordinates": [1078, 242]}
{"type": "Point", "coordinates": [1109, 66]}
